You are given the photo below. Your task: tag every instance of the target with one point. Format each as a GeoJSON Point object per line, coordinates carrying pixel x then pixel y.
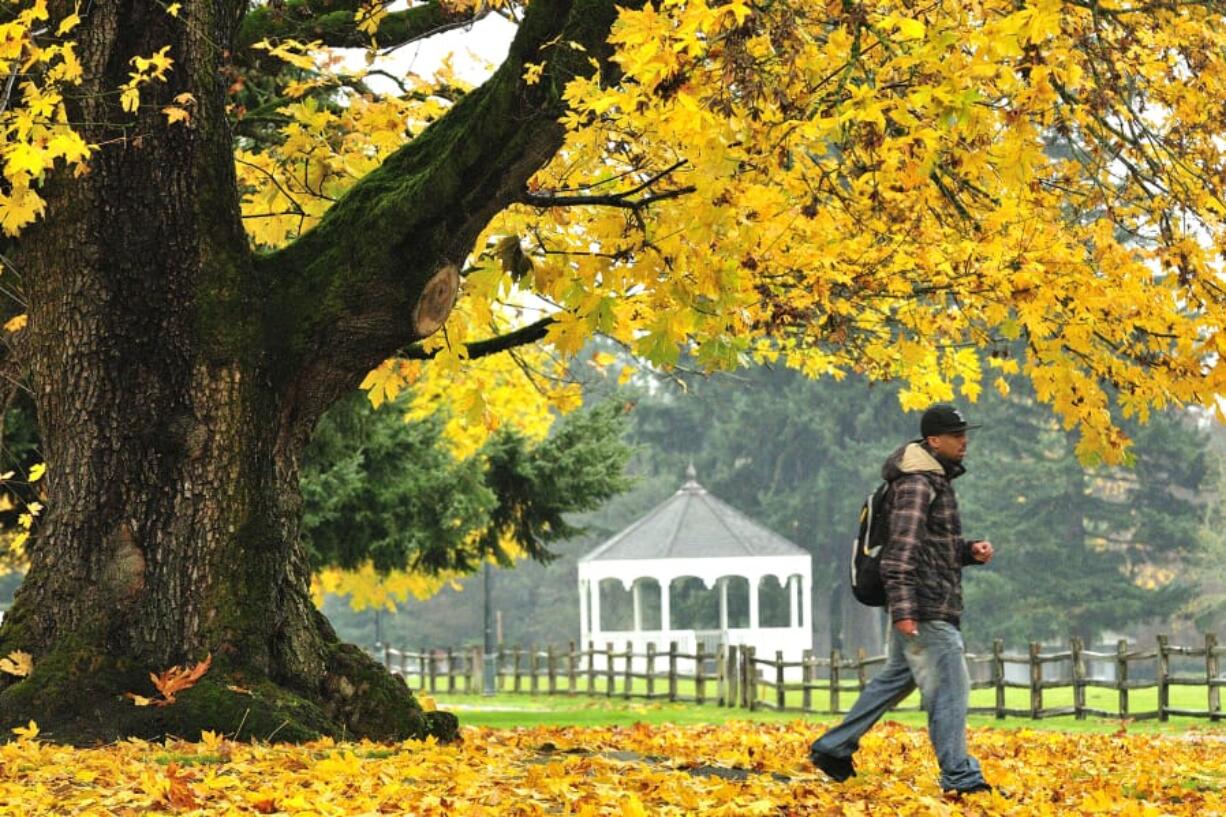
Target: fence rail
{"type": "Point", "coordinates": [735, 676]}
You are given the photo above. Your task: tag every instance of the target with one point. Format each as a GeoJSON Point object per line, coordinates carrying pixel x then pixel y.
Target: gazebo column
{"type": "Point", "coordinates": [637, 596]}
{"type": "Point", "coordinates": [594, 589]}
{"type": "Point", "coordinates": [794, 601]}
{"type": "Point", "coordinates": [753, 602]}
{"type": "Point", "coordinates": [806, 604]}
{"type": "Point", "coordinates": [665, 611]}
{"type": "Point", "coordinates": [723, 605]}
{"type": "Point", "coordinates": [585, 631]}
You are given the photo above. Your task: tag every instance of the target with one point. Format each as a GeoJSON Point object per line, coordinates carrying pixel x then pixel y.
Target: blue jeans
{"type": "Point", "coordinates": [932, 660]}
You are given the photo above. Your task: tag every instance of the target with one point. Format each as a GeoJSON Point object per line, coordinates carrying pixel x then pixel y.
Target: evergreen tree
{"type": "Point", "coordinates": [1080, 550]}
{"type": "Point", "coordinates": [377, 488]}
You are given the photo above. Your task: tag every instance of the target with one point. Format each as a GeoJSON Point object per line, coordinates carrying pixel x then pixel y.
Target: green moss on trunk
{"type": "Point", "coordinates": [77, 696]}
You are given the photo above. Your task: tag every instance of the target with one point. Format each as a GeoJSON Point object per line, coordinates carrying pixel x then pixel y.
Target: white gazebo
{"type": "Point", "coordinates": [693, 544]}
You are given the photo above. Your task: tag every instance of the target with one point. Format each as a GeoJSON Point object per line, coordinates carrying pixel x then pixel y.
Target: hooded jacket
{"type": "Point", "coordinates": [921, 565]}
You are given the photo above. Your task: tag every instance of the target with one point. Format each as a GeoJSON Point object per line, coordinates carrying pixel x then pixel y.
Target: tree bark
{"type": "Point", "coordinates": [172, 529]}
{"type": "Point", "coordinates": [178, 376]}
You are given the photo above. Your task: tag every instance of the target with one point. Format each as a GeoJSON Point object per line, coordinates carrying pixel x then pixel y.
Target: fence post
{"type": "Point", "coordinates": [608, 668]}
{"type": "Point", "coordinates": [433, 673]}
{"type": "Point", "coordinates": [780, 692]}
{"type": "Point", "coordinates": [570, 670]}
{"type": "Point", "coordinates": [806, 678]}
{"type": "Point", "coordinates": [1121, 674]}
{"type": "Point", "coordinates": [700, 674]}
{"type": "Point", "coordinates": [1211, 673]}
{"type": "Point", "coordinates": [551, 668]}
{"type": "Point", "coordinates": [835, 680]}
{"type": "Point", "coordinates": [591, 667]}
{"type": "Point", "coordinates": [749, 677]}
{"type": "Point", "coordinates": [742, 698]}
{"type": "Point", "coordinates": [998, 676]}
{"type": "Point", "coordinates": [421, 660]}
{"type": "Point", "coordinates": [672, 670]}
{"type": "Point", "coordinates": [651, 669]}
{"type": "Point", "coordinates": [1164, 678]}
{"type": "Point", "coordinates": [742, 677]}
{"type": "Point", "coordinates": [1079, 680]}
{"type": "Point", "coordinates": [861, 670]}
{"type": "Point", "coordinates": [734, 675]}
{"type": "Point", "coordinates": [387, 657]}
{"type": "Point", "coordinates": [629, 679]}
{"type": "Point", "coordinates": [534, 669]}
{"type": "Point", "coordinates": [476, 669]}
{"type": "Point", "coordinates": [450, 670]}
{"type": "Point", "coordinates": [518, 654]}
{"type": "Point", "coordinates": [1036, 682]}
{"type": "Point", "coordinates": [404, 664]}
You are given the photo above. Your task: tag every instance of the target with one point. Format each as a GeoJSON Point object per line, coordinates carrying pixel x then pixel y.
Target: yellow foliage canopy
{"type": "Point", "coordinates": [936, 195]}
{"type": "Point", "coordinates": [910, 193]}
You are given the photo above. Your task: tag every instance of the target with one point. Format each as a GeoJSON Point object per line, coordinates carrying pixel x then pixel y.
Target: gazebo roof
{"type": "Point", "coordinates": [693, 524]}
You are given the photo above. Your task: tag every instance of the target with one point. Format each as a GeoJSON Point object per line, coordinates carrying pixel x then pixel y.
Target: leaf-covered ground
{"type": "Point", "coordinates": [738, 768]}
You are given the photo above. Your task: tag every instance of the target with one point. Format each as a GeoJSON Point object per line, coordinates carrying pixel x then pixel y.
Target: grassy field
{"type": "Point", "coordinates": [512, 709]}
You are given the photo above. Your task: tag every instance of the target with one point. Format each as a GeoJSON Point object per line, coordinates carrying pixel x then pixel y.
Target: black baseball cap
{"type": "Point", "coordinates": [943, 419]}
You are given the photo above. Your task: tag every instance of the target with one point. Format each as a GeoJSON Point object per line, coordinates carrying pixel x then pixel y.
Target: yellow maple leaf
{"type": "Point", "coordinates": [24, 157]}
{"type": "Point", "coordinates": [17, 323]}
{"type": "Point", "coordinates": [17, 663]}
{"type": "Point", "coordinates": [36, 473]}
{"type": "Point", "coordinates": [27, 732]}
{"type": "Point", "coordinates": [129, 98]}
{"type": "Point", "coordinates": [174, 113]}
{"type": "Point", "coordinates": [67, 24]}
{"type": "Point", "coordinates": [19, 208]}
{"type": "Point", "coordinates": [176, 679]}
{"type": "Point", "coordinates": [68, 145]}
{"type": "Point", "coordinates": [171, 682]}
{"type": "Point", "coordinates": [632, 806]}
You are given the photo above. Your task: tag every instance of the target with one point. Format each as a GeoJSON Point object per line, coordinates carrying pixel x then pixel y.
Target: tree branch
{"type": "Point", "coordinates": [612, 200]}
{"type": "Point", "coordinates": [335, 25]}
{"type": "Point", "coordinates": [623, 199]}
{"type": "Point", "coordinates": [343, 296]}
{"type": "Point", "coordinates": [523, 336]}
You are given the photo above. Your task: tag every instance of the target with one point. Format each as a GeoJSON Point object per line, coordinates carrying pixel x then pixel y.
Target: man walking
{"type": "Point", "coordinates": [921, 568]}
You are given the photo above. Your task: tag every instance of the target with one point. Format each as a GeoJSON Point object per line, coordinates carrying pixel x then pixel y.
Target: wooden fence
{"type": "Point", "coordinates": [737, 677]}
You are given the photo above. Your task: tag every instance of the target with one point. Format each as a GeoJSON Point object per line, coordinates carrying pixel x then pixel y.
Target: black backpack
{"type": "Point", "coordinates": [866, 549]}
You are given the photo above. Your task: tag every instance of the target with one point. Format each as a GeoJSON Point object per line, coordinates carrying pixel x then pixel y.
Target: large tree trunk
{"type": "Point", "coordinates": [178, 376]}
{"type": "Point", "coordinates": [172, 440]}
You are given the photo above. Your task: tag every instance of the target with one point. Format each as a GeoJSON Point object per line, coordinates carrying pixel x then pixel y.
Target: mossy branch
{"type": "Point", "coordinates": [333, 22]}
{"type": "Point", "coordinates": [344, 292]}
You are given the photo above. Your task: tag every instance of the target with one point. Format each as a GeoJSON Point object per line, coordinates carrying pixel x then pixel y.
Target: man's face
{"type": "Point", "coordinates": [951, 446]}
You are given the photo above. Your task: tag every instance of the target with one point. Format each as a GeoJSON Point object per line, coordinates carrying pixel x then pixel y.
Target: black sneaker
{"type": "Point", "coordinates": [838, 768]}
{"type": "Point", "coordinates": [975, 789]}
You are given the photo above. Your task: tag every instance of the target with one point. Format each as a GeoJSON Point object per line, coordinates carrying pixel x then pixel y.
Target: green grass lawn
{"type": "Point", "coordinates": [508, 709]}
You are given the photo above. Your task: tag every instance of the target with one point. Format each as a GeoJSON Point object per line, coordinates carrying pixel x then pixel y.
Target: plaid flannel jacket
{"type": "Point", "coordinates": [921, 565]}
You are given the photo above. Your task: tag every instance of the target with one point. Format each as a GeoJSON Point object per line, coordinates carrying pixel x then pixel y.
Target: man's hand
{"type": "Point", "coordinates": [907, 626]}
{"type": "Point", "coordinates": [982, 551]}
